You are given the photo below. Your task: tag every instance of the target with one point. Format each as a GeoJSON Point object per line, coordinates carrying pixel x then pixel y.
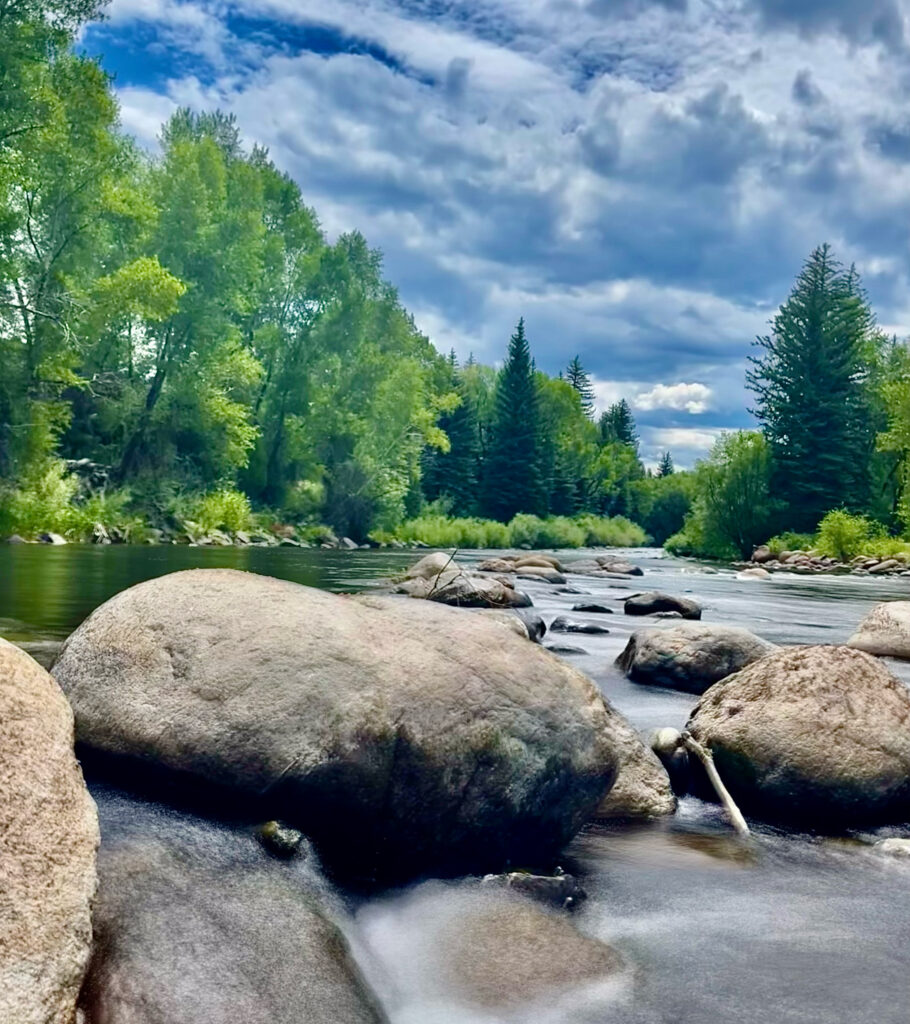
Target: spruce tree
{"type": "Point", "coordinates": [813, 397]}
{"type": "Point", "coordinates": [665, 467]}
{"type": "Point", "coordinates": [512, 471]}
{"type": "Point", "coordinates": [577, 376]}
{"type": "Point", "coordinates": [618, 424]}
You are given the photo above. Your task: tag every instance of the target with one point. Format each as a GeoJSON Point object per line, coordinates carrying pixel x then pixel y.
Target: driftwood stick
{"type": "Point", "coordinates": [706, 758]}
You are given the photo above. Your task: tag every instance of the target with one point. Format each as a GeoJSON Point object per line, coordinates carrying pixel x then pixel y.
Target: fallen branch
{"type": "Point", "coordinates": [707, 759]}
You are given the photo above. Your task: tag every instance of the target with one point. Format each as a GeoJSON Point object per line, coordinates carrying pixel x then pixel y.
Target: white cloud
{"type": "Point", "coordinates": [691, 398]}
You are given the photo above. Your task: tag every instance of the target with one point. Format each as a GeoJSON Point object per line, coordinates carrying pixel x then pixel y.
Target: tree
{"type": "Point", "coordinates": [665, 467]}
{"type": "Point", "coordinates": [733, 510]}
{"type": "Point", "coordinates": [813, 397]}
{"type": "Point", "coordinates": [579, 379]}
{"type": "Point", "coordinates": [454, 474]}
{"type": "Point", "coordinates": [618, 424]}
{"type": "Point", "coordinates": [513, 473]}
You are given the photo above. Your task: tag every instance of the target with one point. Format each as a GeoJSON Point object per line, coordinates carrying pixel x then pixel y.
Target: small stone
{"type": "Point", "coordinates": [592, 609]}
{"type": "Point", "coordinates": [558, 889]}
{"type": "Point", "coordinates": [564, 625]}
{"type": "Point", "coordinates": [280, 840]}
{"type": "Point", "coordinates": [893, 847]}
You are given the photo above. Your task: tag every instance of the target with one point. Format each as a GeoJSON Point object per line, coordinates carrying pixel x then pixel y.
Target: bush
{"type": "Point", "coordinates": [439, 531]}
{"type": "Point", "coordinates": [42, 502]}
{"type": "Point", "coordinates": [224, 509]}
{"type": "Point", "coordinates": [843, 536]}
{"type": "Point", "coordinates": [791, 542]}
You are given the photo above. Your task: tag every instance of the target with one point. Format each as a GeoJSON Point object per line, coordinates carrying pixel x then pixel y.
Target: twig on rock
{"type": "Point", "coordinates": [707, 759]}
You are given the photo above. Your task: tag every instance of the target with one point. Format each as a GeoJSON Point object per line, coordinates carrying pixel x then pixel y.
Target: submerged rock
{"type": "Point", "coordinates": [48, 840]}
{"type": "Point", "coordinates": [885, 631]}
{"type": "Point", "coordinates": [592, 609]}
{"type": "Point", "coordinates": [185, 940]}
{"type": "Point", "coordinates": [654, 601]}
{"type": "Point", "coordinates": [690, 656]}
{"type": "Point", "coordinates": [403, 738]}
{"type": "Point", "coordinates": [559, 890]}
{"type": "Point", "coordinates": [620, 568]}
{"type": "Point", "coordinates": [815, 736]}
{"type": "Point", "coordinates": [280, 840]}
{"type": "Point", "coordinates": [561, 624]}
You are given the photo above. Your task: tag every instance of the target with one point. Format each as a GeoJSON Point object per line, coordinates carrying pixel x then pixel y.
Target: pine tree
{"type": "Point", "coordinates": [454, 474]}
{"type": "Point", "coordinates": [577, 376]}
{"type": "Point", "coordinates": [618, 424]}
{"type": "Point", "coordinates": [665, 467]}
{"type": "Point", "coordinates": [813, 398]}
{"type": "Point", "coordinates": [512, 472]}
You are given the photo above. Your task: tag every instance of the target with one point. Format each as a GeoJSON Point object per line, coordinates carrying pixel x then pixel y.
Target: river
{"type": "Point", "coordinates": [798, 929]}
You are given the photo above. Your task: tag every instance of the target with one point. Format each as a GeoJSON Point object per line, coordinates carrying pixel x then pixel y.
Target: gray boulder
{"type": "Point", "coordinates": [619, 567]}
{"type": "Point", "coordinates": [49, 831]}
{"type": "Point", "coordinates": [185, 935]}
{"type": "Point", "coordinates": [561, 624]}
{"type": "Point", "coordinates": [816, 736]}
{"type": "Point", "coordinates": [403, 738]}
{"type": "Point", "coordinates": [464, 590]}
{"type": "Point", "coordinates": [690, 656]}
{"type": "Point", "coordinates": [885, 631]}
{"type": "Point", "coordinates": [51, 538]}
{"type": "Point", "coordinates": [430, 566]}
{"type": "Point", "coordinates": [652, 602]}
{"type": "Point", "coordinates": [642, 788]}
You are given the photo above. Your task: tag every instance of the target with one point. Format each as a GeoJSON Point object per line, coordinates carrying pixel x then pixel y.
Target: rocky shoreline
{"type": "Point", "coordinates": [812, 563]}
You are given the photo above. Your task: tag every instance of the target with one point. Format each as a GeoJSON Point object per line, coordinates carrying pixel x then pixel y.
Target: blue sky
{"type": "Point", "coordinates": [640, 179]}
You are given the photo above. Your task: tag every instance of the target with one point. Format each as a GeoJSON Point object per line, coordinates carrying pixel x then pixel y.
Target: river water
{"type": "Point", "coordinates": [793, 929]}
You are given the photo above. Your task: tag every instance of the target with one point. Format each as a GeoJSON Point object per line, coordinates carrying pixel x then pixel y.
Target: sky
{"type": "Point", "coordinates": [640, 179]}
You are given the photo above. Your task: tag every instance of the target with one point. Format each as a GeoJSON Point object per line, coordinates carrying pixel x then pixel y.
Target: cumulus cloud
{"type": "Point", "coordinates": [640, 180]}
{"type": "Point", "coordinates": [690, 398]}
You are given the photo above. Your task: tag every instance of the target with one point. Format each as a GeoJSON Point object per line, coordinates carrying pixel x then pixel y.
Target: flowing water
{"type": "Point", "coordinates": [792, 929]}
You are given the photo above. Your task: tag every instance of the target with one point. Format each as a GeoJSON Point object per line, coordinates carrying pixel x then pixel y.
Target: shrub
{"type": "Point", "coordinates": [42, 502]}
{"type": "Point", "coordinates": [844, 536]}
{"type": "Point", "coordinates": [617, 532]}
{"type": "Point", "coordinates": [110, 510]}
{"type": "Point", "coordinates": [224, 509]}
{"type": "Point", "coordinates": [791, 542]}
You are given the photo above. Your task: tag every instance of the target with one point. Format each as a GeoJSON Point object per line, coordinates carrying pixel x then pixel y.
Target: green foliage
{"type": "Point", "coordinates": [224, 509]}
{"type": "Point", "coordinates": [577, 377]}
{"type": "Point", "coordinates": [732, 510]}
{"type": "Point", "coordinates": [665, 466]}
{"type": "Point", "coordinates": [618, 424]}
{"type": "Point", "coordinates": [844, 536]}
{"type": "Point", "coordinates": [439, 531]}
{"type": "Point", "coordinates": [663, 502]}
{"type": "Point", "coordinates": [813, 395]}
{"type": "Point", "coordinates": [791, 542]}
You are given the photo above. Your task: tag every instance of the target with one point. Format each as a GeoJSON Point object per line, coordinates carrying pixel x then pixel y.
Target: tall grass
{"type": "Point", "coordinates": [439, 531]}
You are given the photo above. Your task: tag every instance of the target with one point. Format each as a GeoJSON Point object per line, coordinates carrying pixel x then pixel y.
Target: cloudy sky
{"type": "Point", "coordinates": [640, 179]}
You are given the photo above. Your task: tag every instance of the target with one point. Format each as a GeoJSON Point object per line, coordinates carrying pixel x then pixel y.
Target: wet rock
{"type": "Point", "coordinates": [459, 588]}
{"type": "Point", "coordinates": [242, 537]}
{"type": "Point", "coordinates": [280, 840]}
{"type": "Point", "coordinates": [667, 744]}
{"type": "Point", "coordinates": [496, 565]}
{"type": "Point", "coordinates": [592, 609]}
{"type": "Point", "coordinates": [537, 572]}
{"type": "Point", "coordinates": [621, 568]}
{"type": "Point", "coordinates": [15, 539]}
{"type": "Point", "coordinates": [504, 956]}
{"type": "Point", "coordinates": [534, 623]}
{"type": "Point", "coordinates": [431, 566]}
{"type": "Point", "coordinates": [642, 788]}
{"type": "Point", "coordinates": [185, 939]}
{"type": "Point", "coordinates": [653, 602]}
{"type": "Point", "coordinates": [690, 656]}
{"type": "Point", "coordinates": [756, 573]}
{"type": "Point", "coordinates": [762, 554]}
{"type": "Point", "coordinates": [888, 565]}
{"type": "Point", "coordinates": [885, 631]}
{"type": "Point", "coordinates": [51, 538]}
{"type": "Point", "coordinates": [402, 738]}
{"type": "Point", "coordinates": [559, 889]}
{"type": "Point", "coordinates": [48, 840]}
{"type": "Point", "coordinates": [816, 736]}
{"type": "Point", "coordinates": [564, 649]}
{"type": "Point", "coordinates": [100, 534]}
{"type": "Point", "coordinates": [540, 561]}
{"type": "Point", "coordinates": [561, 624]}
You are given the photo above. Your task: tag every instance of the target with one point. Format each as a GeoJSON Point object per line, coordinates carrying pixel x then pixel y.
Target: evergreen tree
{"type": "Point", "coordinates": [618, 424]}
{"type": "Point", "coordinates": [454, 474]}
{"type": "Point", "coordinates": [665, 467]}
{"type": "Point", "coordinates": [813, 395]}
{"type": "Point", "coordinates": [577, 376]}
{"type": "Point", "coordinates": [512, 473]}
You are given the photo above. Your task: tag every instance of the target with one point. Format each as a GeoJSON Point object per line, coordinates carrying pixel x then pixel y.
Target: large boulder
{"type": "Point", "coordinates": [642, 788]}
{"type": "Point", "coordinates": [818, 736]}
{"type": "Point", "coordinates": [885, 631]}
{"type": "Point", "coordinates": [404, 738]}
{"type": "Point", "coordinates": [689, 656]}
{"type": "Point", "coordinates": [619, 567]}
{"type": "Point", "coordinates": [48, 840]}
{"type": "Point", "coordinates": [199, 926]}
{"type": "Point", "coordinates": [430, 566]}
{"type": "Point", "coordinates": [653, 601]}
